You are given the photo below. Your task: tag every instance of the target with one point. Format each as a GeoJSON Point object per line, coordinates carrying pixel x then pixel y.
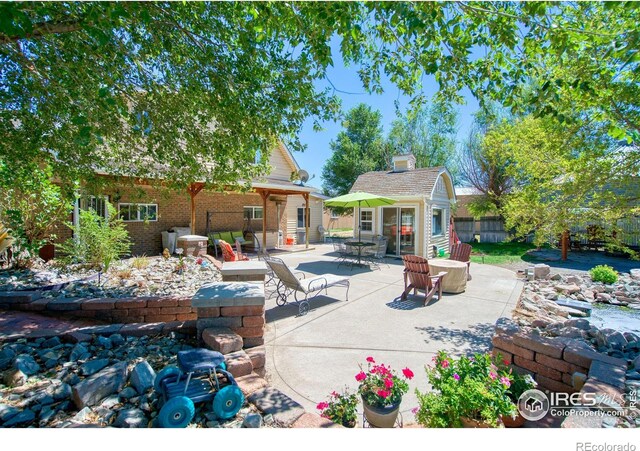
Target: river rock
{"type": "Point", "coordinates": [83, 415]}
{"type": "Point", "coordinates": [541, 271]}
{"type": "Point", "coordinates": [79, 352]}
{"type": "Point", "coordinates": [108, 381]}
{"type": "Point", "coordinates": [24, 418]}
{"type": "Point", "coordinates": [635, 274]}
{"type": "Point", "coordinates": [7, 412]}
{"type": "Point", "coordinates": [26, 364]}
{"type": "Point", "coordinates": [253, 420]}
{"type": "Point", "coordinates": [92, 366]}
{"type": "Point", "coordinates": [128, 393]}
{"type": "Point", "coordinates": [117, 340]}
{"type": "Point", "coordinates": [142, 377]}
{"type": "Point", "coordinates": [131, 418]}
{"type": "Point", "coordinates": [51, 342]}
{"type": "Point", "coordinates": [615, 340]}
{"type": "Point", "coordinates": [568, 288]}
{"type": "Point", "coordinates": [14, 377]}
{"type": "Point", "coordinates": [578, 323]}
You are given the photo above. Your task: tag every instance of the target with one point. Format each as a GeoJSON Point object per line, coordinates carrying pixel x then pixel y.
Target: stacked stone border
{"type": "Point", "coordinates": [564, 365]}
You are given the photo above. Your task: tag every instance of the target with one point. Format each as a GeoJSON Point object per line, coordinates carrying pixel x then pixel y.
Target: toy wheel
{"type": "Point", "coordinates": [176, 413]}
{"type": "Point", "coordinates": [303, 308]}
{"type": "Point", "coordinates": [228, 402]}
{"type": "Point", "coordinates": [167, 372]}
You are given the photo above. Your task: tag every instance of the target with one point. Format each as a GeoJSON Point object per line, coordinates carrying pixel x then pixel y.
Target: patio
{"type": "Point", "coordinates": [310, 356]}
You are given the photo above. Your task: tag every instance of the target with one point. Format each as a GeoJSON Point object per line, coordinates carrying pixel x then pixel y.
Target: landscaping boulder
{"type": "Point", "coordinates": [92, 366]}
{"type": "Point", "coordinates": [142, 377]}
{"type": "Point", "coordinates": [26, 364]}
{"type": "Point", "coordinates": [541, 271]}
{"type": "Point", "coordinates": [131, 418]}
{"type": "Point", "coordinates": [22, 419]}
{"type": "Point", "coordinates": [108, 381]}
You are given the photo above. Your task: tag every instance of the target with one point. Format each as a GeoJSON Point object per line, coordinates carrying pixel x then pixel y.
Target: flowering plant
{"type": "Point", "coordinates": [380, 386]}
{"type": "Point", "coordinates": [470, 387]}
{"type": "Point", "coordinates": [340, 408]}
{"type": "Point", "coordinates": [520, 383]}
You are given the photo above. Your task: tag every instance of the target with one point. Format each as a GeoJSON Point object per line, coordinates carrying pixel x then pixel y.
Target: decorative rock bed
{"type": "Point", "coordinates": [566, 353]}
{"type": "Point", "coordinates": [105, 381]}
{"type": "Point", "coordinates": [151, 276]}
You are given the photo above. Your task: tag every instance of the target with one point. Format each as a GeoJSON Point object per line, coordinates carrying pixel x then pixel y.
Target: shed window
{"type": "Point", "coordinates": [366, 220]}
{"type": "Point", "coordinates": [436, 222]}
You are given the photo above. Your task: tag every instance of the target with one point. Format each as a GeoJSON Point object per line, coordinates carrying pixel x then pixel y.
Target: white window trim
{"type": "Point", "coordinates": [360, 222]}
{"type": "Point", "coordinates": [121, 204]}
{"type": "Point", "coordinates": [442, 222]}
{"type": "Point", "coordinates": [253, 211]}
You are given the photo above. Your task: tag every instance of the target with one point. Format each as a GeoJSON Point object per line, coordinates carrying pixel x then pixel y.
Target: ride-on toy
{"type": "Point", "coordinates": [201, 376]}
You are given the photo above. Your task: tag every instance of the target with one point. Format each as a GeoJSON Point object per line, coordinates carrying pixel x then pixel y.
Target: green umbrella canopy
{"type": "Point", "coordinates": [359, 199]}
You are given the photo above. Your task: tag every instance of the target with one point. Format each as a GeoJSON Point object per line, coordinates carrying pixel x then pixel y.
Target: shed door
{"type": "Point", "coordinates": [399, 226]}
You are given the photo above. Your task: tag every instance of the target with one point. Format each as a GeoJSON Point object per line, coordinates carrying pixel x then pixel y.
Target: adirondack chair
{"type": "Point", "coordinates": [462, 252]}
{"type": "Point", "coordinates": [417, 277]}
{"type": "Point", "coordinates": [229, 255]}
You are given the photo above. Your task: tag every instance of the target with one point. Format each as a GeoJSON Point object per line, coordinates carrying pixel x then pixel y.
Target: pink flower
{"type": "Point", "coordinates": [414, 410]}
{"type": "Point", "coordinates": [361, 376]}
{"type": "Point", "coordinates": [383, 393]}
{"type": "Point", "coordinates": [370, 360]}
{"type": "Point", "coordinates": [456, 376]}
{"type": "Point", "coordinates": [334, 394]}
{"type": "Point", "coordinates": [323, 405]}
{"type": "Point", "coordinates": [505, 380]}
{"type": "Point", "coordinates": [492, 375]}
{"type": "Point", "coordinates": [445, 364]}
{"type": "Point", "coordinates": [408, 373]}
{"type": "Point", "coordinates": [388, 383]}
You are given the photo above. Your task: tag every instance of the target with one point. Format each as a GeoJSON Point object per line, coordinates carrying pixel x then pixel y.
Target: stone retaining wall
{"type": "Point", "coordinates": [148, 309]}
{"type": "Point", "coordinates": [557, 364]}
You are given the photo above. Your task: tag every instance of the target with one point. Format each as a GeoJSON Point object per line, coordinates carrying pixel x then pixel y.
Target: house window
{"type": "Point", "coordinates": [95, 203]}
{"type": "Point", "coordinates": [436, 222]}
{"type": "Point", "coordinates": [138, 212]}
{"type": "Point", "coordinates": [366, 220]}
{"type": "Point", "coordinates": [334, 215]}
{"type": "Point", "coordinates": [253, 212]}
{"type": "Point", "coordinates": [301, 218]}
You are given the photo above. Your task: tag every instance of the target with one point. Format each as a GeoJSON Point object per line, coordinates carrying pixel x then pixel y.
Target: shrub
{"type": "Point", "coordinates": [340, 408]}
{"type": "Point", "coordinates": [470, 387]}
{"type": "Point", "coordinates": [31, 206]}
{"type": "Point", "coordinates": [97, 241]}
{"type": "Point", "coordinates": [604, 274]}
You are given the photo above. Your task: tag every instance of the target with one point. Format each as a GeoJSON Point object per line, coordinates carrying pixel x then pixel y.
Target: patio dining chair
{"type": "Point", "coordinates": [418, 277]}
{"type": "Point", "coordinates": [288, 284]}
{"type": "Point", "coordinates": [462, 252]}
{"type": "Point", "coordinates": [377, 253]}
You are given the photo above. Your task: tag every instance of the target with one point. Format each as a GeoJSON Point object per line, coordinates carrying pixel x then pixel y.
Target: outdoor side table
{"type": "Point", "coordinates": [455, 281]}
{"type": "Point", "coordinates": [244, 271]}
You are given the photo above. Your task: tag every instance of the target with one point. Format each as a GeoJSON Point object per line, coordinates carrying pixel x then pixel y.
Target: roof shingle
{"type": "Point", "coordinates": [416, 182]}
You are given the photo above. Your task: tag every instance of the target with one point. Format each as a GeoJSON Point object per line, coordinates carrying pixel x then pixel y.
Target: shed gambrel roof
{"type": "Point", "coordinates": [416, 182]}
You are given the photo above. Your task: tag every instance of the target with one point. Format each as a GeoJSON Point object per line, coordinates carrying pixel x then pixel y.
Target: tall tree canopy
{"type": "Point", "coordinates": [168, 86]}
{"type": "Point", "coordinates": [429, 134]}
{"type": "Point", "coordinates": [357, 149]}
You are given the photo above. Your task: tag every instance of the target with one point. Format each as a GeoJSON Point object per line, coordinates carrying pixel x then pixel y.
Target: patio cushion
{"type": "Point", "coordinates": [226, 236]}
{"type": "Point", "coordinates": [321, 282]}
{"type": "Point", "coordinates": [227, 251]}
{"type": "Point", "coordinates": [237, 235]}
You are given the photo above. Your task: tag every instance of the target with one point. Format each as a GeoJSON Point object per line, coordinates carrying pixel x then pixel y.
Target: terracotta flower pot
{"type": "Point", "coordinates": [381, 417]}
{"type": "Point", "coordinates": [516, 422]}
{"type": "Point", "coordinates": [471, 423]}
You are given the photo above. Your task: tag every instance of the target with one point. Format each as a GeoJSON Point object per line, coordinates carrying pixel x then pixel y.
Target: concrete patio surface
{"type": "Point", "coordinates": [308, 357]}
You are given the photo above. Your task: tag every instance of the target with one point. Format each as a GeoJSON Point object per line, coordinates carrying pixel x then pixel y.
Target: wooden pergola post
{"type": "Point", "coordinates": [306, 219]}
{"type": "Point", "coordinates": [193, 191]}
{"type": "Point", "coordinates": [265, 195]}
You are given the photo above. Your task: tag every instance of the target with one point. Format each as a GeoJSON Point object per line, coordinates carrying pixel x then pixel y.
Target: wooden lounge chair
{"type": "Point", "coordinates": [288, 283]}
{"type": "Point", "coordinates": [462, 252]}
{"type": "Point", "coordinates": [228, 254]}
{"type": "Point", "coordinates": [416, 273]}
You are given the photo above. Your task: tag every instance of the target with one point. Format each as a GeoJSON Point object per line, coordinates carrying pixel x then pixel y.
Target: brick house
{"type": "Point", "coordinates": [275, 204]}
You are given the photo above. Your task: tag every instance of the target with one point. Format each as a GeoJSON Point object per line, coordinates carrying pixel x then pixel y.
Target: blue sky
{"type": "Point", "coordinates": [346, 79]}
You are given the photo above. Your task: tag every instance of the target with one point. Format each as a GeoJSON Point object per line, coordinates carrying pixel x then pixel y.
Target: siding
{"type": "Point", "coordinates": [315, 217]}
{"type": "Point", "coordinates": [281, 167]}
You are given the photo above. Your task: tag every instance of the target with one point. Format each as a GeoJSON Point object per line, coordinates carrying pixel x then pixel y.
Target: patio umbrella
{"type": "Point", "coordinates": [359, 199]}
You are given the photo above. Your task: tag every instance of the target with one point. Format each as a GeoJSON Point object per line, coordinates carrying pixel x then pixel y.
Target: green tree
{"type": "Point", "coordinates": [156, 89]}
{"type": "Point", "coordinates": [429, 134]}
{"type": "Point", "coordinates": [32, 206]}
{"type": "Point", "coordinates": [357, 149]}
{"type": "Point", "coordinates": [483, 163]}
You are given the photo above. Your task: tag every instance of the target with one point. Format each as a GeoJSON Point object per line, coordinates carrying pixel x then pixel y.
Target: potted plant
{"type": "Point", "coordinates": [468, 392]}
{"type": "Point", "coordinates": [381, 390]}
{"type": "Point", "coordinates": [340, 408]}
{"type": "Point", "coordinates": [520, 383]}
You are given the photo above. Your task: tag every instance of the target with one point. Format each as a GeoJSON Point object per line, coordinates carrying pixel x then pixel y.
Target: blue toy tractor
{"type": "Point", "coordinates": [201, 376]}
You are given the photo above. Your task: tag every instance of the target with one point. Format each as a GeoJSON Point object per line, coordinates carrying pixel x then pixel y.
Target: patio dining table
{"type": "Point", "coordinates": [359, 245]}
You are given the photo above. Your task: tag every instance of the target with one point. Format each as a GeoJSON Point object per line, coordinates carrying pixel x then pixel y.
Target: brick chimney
{"type": "Point", "coordinates": [406, 162]}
